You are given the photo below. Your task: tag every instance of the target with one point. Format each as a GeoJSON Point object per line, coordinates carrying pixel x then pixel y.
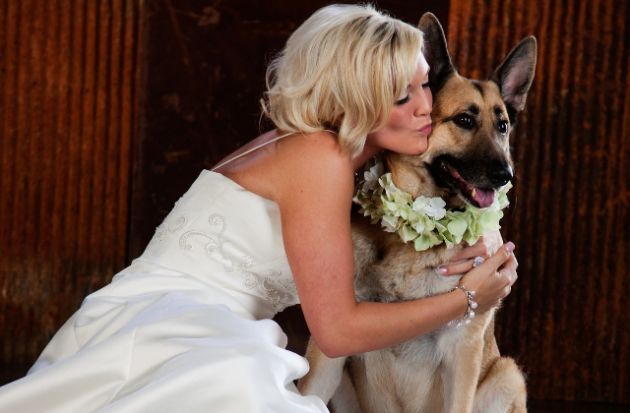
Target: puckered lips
{"type": "Point", "coordinates": [447, 175]}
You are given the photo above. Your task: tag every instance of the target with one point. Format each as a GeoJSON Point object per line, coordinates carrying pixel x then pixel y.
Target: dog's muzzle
{"type": "Point", "coordinates": [500, 175]}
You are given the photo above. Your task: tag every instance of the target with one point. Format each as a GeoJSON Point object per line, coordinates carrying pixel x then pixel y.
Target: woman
{"type": "Point", "coordinates": [187, 326]}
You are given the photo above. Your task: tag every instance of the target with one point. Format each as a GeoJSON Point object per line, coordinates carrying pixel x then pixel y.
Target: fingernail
{"type": "Point", "coordinates": [510, 246]}
{"type": "Point", "coordinates": [441, 270]}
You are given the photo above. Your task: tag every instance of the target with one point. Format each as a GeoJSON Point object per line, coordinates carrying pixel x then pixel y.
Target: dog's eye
{"type": "Point", "coordinates": [464, 121]}
{"type": "Point", "coordinates": [502, 127]}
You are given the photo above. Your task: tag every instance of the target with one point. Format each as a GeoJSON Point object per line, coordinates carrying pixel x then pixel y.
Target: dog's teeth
{"type": "Point", "coordinates": [474, 192]}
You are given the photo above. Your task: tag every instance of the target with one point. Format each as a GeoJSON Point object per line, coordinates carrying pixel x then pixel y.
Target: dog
{"type": "Point", "coordinates": [453, 369]}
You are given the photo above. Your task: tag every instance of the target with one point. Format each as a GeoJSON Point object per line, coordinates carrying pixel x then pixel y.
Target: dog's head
{"type": "Point", "coordinates": [468, 157]}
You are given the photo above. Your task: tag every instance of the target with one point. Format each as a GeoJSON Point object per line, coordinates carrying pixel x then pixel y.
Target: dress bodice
{"type": "Point", "coordinates": [230, 240]}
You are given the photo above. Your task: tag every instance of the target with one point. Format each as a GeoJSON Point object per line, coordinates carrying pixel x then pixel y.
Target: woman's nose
{"type": "Point", "coordinates": [424, 103]}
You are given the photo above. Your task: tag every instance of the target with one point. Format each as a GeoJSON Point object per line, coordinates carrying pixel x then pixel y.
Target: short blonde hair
{"type": "Point", "coordinates": [343, 68]}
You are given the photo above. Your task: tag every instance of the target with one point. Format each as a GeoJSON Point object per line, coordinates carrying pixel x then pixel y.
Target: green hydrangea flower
{"type": "Point", "coordinates": [424, 221]}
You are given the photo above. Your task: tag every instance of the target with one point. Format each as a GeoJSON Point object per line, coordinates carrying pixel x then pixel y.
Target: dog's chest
{"type": "Point", "coordinates": [412, 369]}
{"type": "Point", "coordinates": [400, 273]}
{"type": "Point", "coordinates": [429, 350]}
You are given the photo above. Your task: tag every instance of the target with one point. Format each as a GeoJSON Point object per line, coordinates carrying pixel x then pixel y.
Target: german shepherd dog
{"type": "Point", "coordinates": [455, 370]}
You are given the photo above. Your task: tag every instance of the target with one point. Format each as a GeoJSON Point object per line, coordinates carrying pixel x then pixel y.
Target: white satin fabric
{"type": "Point", "coordinates": [186, 327]}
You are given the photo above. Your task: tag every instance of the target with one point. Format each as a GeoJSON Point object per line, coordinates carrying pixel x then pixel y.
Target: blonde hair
{"type": "Point", "coordinates": [343, 68]}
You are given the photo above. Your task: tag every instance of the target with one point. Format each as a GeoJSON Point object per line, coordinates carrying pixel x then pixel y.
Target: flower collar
{"type": "Point", "coordinates": [424, 221]}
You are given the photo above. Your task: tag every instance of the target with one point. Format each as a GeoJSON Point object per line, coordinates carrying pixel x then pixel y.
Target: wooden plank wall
{"type": "Point", "coordinates": [73, 168]}
{"type": "Point", "coordinates": [567, 321]}
{"type": "Point", "coordinates": [68, 81]}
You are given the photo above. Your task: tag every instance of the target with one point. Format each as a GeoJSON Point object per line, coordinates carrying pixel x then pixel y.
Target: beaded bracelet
{"type": "Point", "coordinates": [472, 305]}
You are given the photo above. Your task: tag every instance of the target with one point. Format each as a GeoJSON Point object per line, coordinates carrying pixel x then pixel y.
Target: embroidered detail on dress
{"type": "Point", "coordinates": [280, 291]}
{"type": "Point", "coordinates": [169, 226]}
{"type": "Point", "coordinates": [216, 246]}
{"type": "Point", "coordinates": [272, 286]}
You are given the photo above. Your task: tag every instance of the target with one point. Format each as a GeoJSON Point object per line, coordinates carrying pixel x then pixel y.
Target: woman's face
{"type": "Point", "coordinates": [409, 123]}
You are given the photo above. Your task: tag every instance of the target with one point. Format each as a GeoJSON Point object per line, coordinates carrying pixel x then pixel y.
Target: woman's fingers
{"type": "Point", "coordinates": [501, 256]}
{"type": "Point", "coordinates": [479, 249]}
{"type": "Point", "coordinates": [508, 273]}
{"type": "Point", "coordinates": [456, 268]}
{"type": "Point", "coordinates": [463, 266]}
{"type": "Point", "coordinates": [484, 247]}
{"type": "Point", "coordinates": [492, 280]}
{"type": "Point", "coordinates": [508, 270]}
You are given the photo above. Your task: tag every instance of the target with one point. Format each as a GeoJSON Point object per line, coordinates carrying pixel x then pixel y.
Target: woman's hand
{"type": "Point", "coordinates": [491, 276]}
{"type": "Point", "coordinates": [493, 279]}
{"type": "Point", "coordinates": [464, 260]}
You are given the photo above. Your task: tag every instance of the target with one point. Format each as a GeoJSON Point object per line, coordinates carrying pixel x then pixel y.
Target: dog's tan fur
{"type": "Point", "coordinates": [456, 370]}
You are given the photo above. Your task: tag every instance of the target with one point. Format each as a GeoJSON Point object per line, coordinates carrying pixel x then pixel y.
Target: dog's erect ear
{"type": "Point", "coordinates": [435, 51]}
{"type": "Point", "coordinates": [516, 74]}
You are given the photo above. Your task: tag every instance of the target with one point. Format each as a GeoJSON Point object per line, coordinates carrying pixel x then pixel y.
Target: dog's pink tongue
{"type": "Point", "coordinates": [483, 197]}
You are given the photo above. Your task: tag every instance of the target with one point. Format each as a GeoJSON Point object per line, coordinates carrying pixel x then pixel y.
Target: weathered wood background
{"type": "Point", "coordinates": [68, 110]}
{"type": "Point", "coordinates": [109, 109]}
{"type": "Point", "coordinates": [567, 322]}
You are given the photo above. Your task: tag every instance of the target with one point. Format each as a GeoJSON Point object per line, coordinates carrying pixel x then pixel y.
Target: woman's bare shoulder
{"type": "Point", "coordinates": [313, 161]}
{"type": "Point", "coordinates": [321, 142]}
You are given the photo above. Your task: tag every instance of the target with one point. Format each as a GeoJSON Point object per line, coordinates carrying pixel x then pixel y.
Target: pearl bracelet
{"type": "Point", "coordinates": [472, 305]}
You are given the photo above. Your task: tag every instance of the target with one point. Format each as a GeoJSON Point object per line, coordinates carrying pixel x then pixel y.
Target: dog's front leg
{"type": "Point", "coordinates": [502, 389]}
{"type": "Point", "coordinates": [345, 399]}
{"type": "Point", "coordinates": [460, 370]}
{"type": "Point", "coordinates": [324, 375]}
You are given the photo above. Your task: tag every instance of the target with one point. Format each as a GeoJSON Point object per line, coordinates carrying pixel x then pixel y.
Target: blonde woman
{"type": "Point", "coordinates": [186, 327]}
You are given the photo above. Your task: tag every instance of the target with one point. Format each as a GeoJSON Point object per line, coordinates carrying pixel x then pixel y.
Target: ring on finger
{"type": "Point", "coordinates": [477, 261]}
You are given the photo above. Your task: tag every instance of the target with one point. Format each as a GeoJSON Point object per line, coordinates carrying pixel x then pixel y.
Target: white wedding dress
{"type": "Point", "coordinates": [186, 327]}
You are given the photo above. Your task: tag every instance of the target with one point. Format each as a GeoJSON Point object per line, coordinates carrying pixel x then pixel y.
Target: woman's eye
{"type": "Point", "coordinates": [426, 85]}
{"type": "Point", "coordinates": [464, 121]}
{"type": "Point", "coordinates": [503, 127]}
{"type": "Point", "coordinates": [402, 101]}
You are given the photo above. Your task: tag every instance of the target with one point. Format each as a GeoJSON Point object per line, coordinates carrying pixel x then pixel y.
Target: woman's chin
{"type": "Point", "coordinates": [420, 146]}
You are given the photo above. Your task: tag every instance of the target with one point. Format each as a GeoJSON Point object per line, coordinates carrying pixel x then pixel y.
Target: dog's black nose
{"type": "Point", "coordinates": [501, 175]}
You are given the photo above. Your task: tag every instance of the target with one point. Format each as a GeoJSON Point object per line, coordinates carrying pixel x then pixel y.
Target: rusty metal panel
{"type": "Point", "coordinates": [567, 320]}
{"type": "Point", "coordinates": [68, 79]}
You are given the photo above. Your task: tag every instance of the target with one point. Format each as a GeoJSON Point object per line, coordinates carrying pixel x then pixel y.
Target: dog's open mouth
{"type": "Point", "coordinates": [448, 176]}
{"type": "Point", "coordinates": [479, 197]}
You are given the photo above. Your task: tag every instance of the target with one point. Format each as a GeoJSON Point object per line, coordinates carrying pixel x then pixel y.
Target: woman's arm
{"type": "Point", "coordinates": [314, 186]}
